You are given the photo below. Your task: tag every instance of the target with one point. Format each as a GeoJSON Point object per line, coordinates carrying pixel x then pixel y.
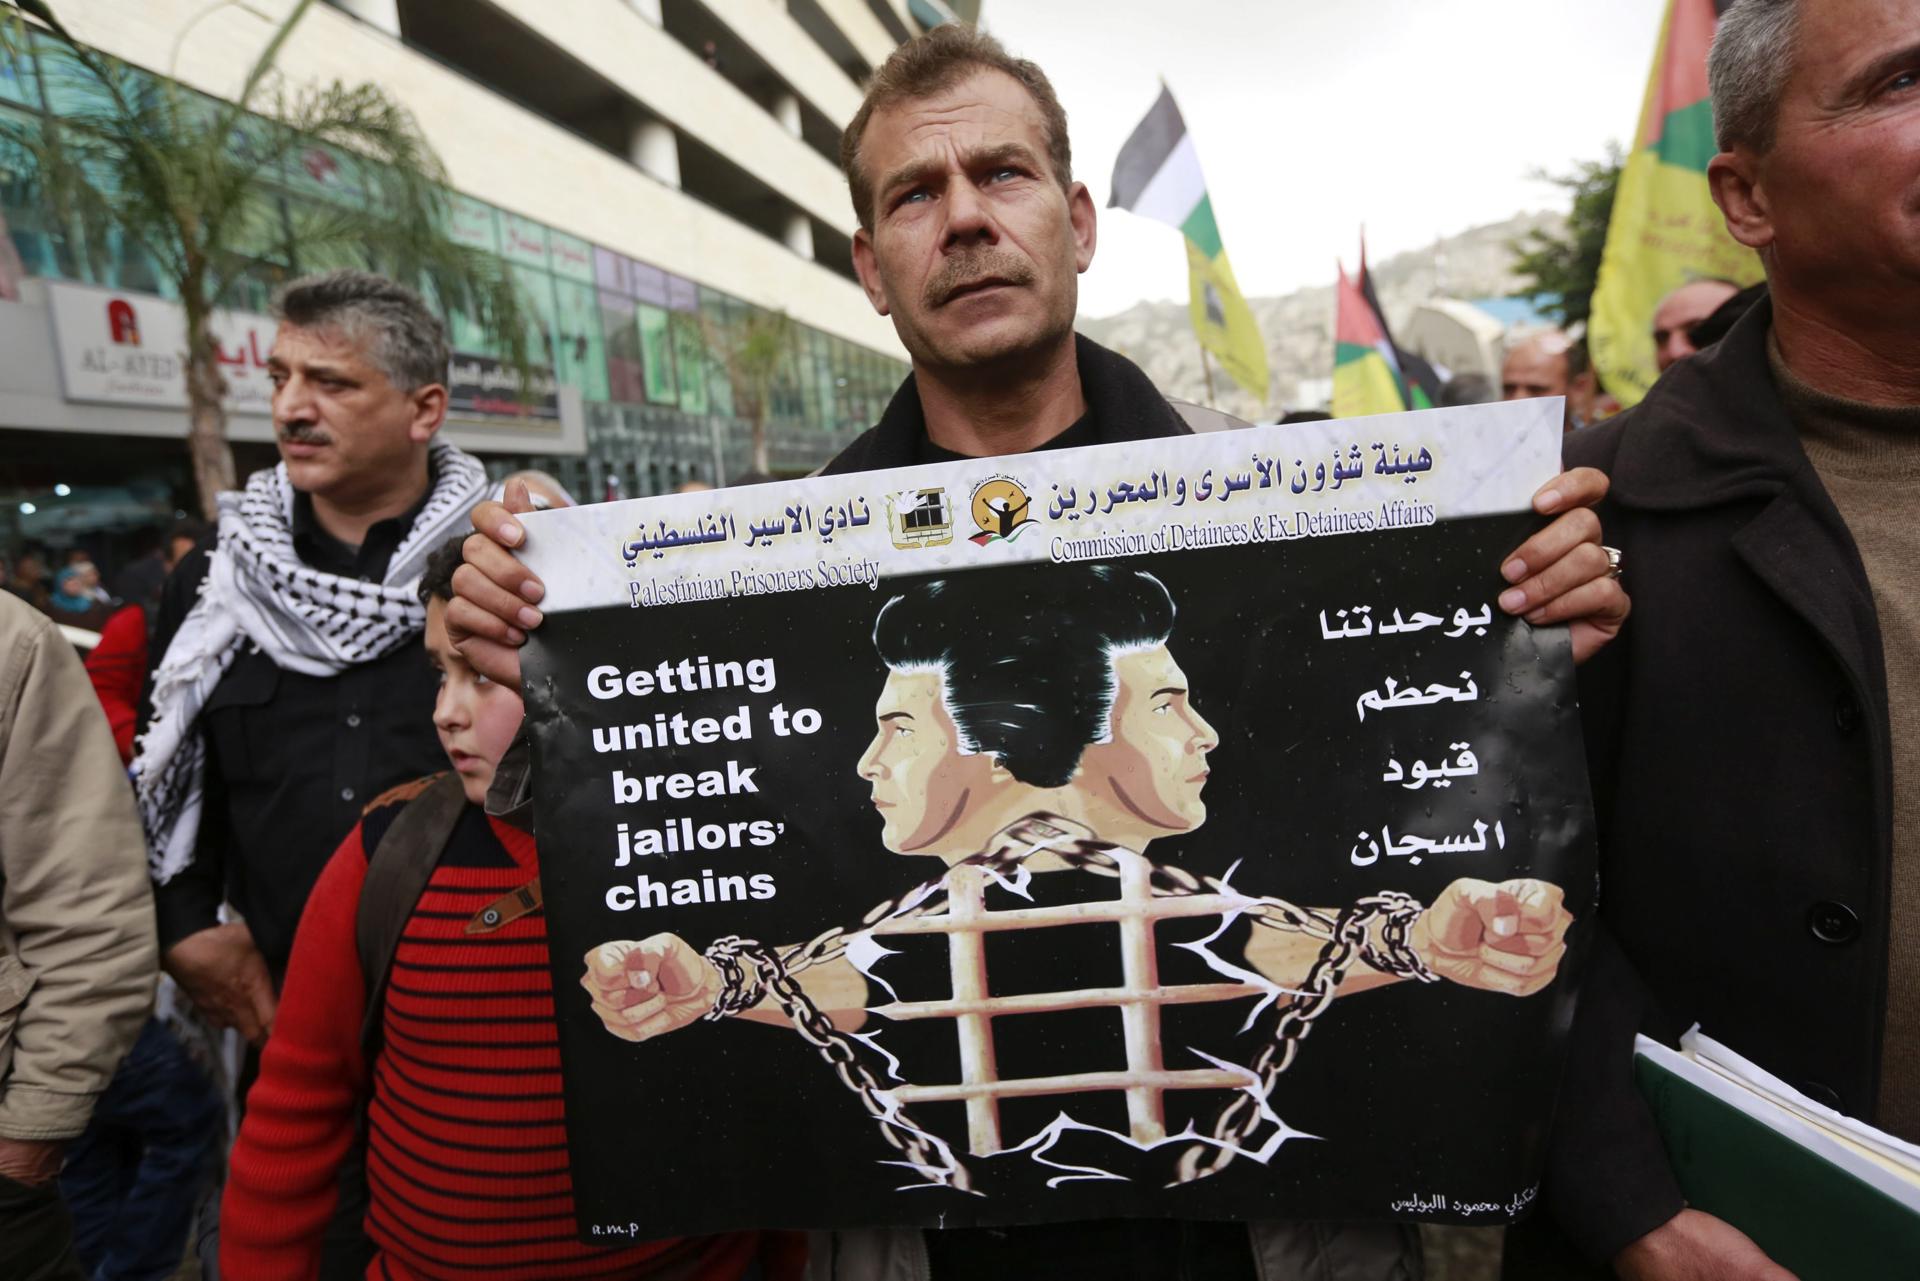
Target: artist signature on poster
{"type": "Point", "coordinates": [1439, 1203]}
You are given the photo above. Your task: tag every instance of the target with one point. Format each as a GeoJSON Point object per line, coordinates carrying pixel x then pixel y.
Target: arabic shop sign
{"type": "Point", "coordinates": [121, 348]}
{"type": "Point", "coordinates": [480, 386]}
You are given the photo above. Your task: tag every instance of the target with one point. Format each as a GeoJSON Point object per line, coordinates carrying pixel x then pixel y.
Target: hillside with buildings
{"type": "Point", "coordinates": [1477, 263]}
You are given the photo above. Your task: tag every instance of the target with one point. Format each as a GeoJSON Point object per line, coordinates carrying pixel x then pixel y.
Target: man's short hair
{"type": "Point", "coordinates": [931, 63]}
{"type": "Point", "coordinates": [191, 528]}
{"type": "Point", "coordinates": [1026, 660]}
{"type": "Point", "coordinates": [1748, 69]}
{"type": "Point", "coordinates": [436, 580]}
{"type": "Point", "coordinates": [395, 327]}
{"type": "Point", "coordinates": [1468, 388]}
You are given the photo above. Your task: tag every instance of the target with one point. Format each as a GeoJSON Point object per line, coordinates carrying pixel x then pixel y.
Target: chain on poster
{"type": "Point", "coordinates": [1172, 828]}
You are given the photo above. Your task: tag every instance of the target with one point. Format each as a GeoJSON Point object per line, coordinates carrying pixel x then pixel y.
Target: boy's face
{"type": "Point", "coordinates": [922, 785]}
{"type": "Point", "coordinates": [476, 718]}
{"type": "Point", "coordinates": [1155, 764]}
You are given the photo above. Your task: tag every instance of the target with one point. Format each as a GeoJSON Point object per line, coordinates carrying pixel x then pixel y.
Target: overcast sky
{"type": "Point", "coordinates": [1420, 118]}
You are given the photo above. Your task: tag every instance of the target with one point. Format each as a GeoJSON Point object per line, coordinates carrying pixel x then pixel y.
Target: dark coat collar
{"type": "Point", "coordinates": [1122, 403]}
{"type": "Point", "coordinates": [1713, 430]}
{"type": "Point", "coordinates": [1714, 433]}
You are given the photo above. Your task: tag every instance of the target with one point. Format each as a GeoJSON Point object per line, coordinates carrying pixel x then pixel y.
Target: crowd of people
{"type": "Point", "coordinates": [307, 802]}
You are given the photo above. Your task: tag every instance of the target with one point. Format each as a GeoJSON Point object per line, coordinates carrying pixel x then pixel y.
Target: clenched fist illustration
{"type": "Point", "coordinates": [1507, 937]}
{"type": "Point", "coordinates": [645, 988]}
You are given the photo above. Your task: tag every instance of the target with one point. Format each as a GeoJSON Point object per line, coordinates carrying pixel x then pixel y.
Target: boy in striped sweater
{"type": "Point", "coordinates": [466, 1156]}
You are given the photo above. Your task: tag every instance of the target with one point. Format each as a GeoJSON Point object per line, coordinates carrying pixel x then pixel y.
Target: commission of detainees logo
{"type": "Point", "coordinates": [1000, 510]}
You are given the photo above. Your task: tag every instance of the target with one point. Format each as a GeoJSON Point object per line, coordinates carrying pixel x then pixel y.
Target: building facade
{"type": "Point", "coordinates": [653, 173]}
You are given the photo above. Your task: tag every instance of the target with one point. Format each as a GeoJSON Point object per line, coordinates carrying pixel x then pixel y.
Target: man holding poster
{"type": "Point", "coordinates": [972, 235]}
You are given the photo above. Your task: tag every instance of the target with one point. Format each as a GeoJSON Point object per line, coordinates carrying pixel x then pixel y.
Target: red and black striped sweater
{"type": "Point", "coordinates": [466, 1145]}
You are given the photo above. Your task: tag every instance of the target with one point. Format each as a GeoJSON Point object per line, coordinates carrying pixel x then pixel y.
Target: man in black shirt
{"type": "Point", "coordinates": [972, 236]}
{"type": "Point", "coordinates": [290, 687]}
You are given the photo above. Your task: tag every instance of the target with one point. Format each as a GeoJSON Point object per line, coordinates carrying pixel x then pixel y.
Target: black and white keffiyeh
{"type": "Point", "coordinates": [257, 589]}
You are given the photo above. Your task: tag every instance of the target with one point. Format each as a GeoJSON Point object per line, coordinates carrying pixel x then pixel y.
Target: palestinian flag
{"type": "Point", "coordinates": [1364, 378]}
{"type": "Point", "coordinates": [1666, 229]}
{"type": "Point", "coordinates": [1157, 175]}
{"type": "Point", "coordinates": [1419, 381]}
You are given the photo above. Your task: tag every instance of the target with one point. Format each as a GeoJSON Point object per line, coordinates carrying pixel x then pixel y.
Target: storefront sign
{"type": "Point", "coordinates": [122, 348]}
{"type": "Point", "coordinates": [483, 386]}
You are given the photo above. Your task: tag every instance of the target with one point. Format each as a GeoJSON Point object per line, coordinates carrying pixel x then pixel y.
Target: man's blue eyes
{"type": "Point", "coordinates": [914, 196]}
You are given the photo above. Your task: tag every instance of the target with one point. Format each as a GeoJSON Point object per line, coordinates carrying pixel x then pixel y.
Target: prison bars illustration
{"type": "Point", "coordinates": [751, 970]}
{"type": "Point", "coordinates": [1146, 1078]}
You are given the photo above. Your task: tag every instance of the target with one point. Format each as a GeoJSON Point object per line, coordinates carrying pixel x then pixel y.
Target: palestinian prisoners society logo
{"type": "Point", "coordinates": [1000, 510]}
{"type": "Point", "coordinates": [920, 518]}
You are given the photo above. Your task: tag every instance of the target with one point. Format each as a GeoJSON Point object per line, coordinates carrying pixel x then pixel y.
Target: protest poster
{"type": "Point", "coordinates": [978, 843]}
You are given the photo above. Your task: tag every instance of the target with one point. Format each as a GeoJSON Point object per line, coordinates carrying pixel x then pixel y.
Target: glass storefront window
{"type": "Point", "coordinates": [17, 80]}
{"type": "Point", "coordinates": [66, 87]}
{"type": "Point", "coordinates": [29, 224]}
{"type": "Point", "coordinates": [523, 241]}
{"type": "Point", "coordinates": [125, 265]}
{"type": "Point", "coordinates": [610, 271]}
{"type": "Point", "coordinates": [656, 347]}
{"type": "Point", "coordinates": [823, 381]}
{"type": "Point", "coordinates": [472, 223]}
{"type": "Point", "coordinates": [625, 381]}
{"type": "Point", "coordinates": [649, 284]}
{"type": "Point", "coordinates": [536, 300]}
{"type": "Point", "coordinates": [582, 356]}
{"type": "Point", "coordinates": [623, 333]}
{"type": "Point", "coordinates": [331, 174]}
{"type": "Point", "coordinates": [467, 334]}
{"type": "Point", "coordinates": [843, 407]}
{"type": "Point", "coordinates": [570, 257]}
{"type": "Point", "coordinates": [689, 357]}
{"type": "Point", "coordinates": [720, 328]}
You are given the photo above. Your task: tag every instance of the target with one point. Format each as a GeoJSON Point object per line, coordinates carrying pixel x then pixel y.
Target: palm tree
{"type": "Point", "coordinates": [753, 347]}
{"type": "Point", "coordinates": [196, 182]}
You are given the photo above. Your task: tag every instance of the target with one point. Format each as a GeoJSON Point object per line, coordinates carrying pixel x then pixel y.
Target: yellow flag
{"type": "Point", "coordinates": [1223, 320]}
{"type": "Point", "coordinates": [1665, 228]}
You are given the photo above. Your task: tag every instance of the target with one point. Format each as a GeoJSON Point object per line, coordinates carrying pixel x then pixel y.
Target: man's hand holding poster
{"type": "Point", "coordinates": [981, 842]}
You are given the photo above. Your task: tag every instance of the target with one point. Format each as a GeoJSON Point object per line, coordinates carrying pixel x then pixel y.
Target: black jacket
{"type": "Point", "coordinates": [1122, 404]}
{"type": "Point", "coordinates": [1738, 737]}
{"type": "Point", "coordinates": [293, 759]}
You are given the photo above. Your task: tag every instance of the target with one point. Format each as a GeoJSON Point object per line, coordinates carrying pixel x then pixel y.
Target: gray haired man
{"type": "Point", "coordinates": [1755, 736]}
{"type": "Point", "coordinates": [291, 689]}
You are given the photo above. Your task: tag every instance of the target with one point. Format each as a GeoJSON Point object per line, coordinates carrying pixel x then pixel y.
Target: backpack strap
{"type": "Point", "coordinates": [397, 874]}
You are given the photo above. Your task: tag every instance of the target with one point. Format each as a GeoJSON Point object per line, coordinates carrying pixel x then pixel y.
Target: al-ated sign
{"type": "Point", "coordinates": [122, 348]}
{"type": "Point", "coordinates": [980, 843]}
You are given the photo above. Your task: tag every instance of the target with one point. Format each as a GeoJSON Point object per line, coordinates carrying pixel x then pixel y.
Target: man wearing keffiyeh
{"type": "Point", "coordinates": [290, 690]}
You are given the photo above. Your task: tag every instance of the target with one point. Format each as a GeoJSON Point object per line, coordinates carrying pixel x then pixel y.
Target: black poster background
{"type": "Point", "coordinates": [1428, 1101]}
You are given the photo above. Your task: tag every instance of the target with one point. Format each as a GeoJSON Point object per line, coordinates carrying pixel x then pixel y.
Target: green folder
{"type": "Point", "coordinates": [1821, 1210]}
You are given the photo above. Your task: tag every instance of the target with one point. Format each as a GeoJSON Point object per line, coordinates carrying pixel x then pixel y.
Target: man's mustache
{"type": "Point", "coordinates": [304, 436]}
{"type": "Point", "coordinates": [958, 273]}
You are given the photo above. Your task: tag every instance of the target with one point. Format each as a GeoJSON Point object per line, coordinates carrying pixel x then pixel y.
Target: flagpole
{"type": "Point", "coordinates": [1206, 367]}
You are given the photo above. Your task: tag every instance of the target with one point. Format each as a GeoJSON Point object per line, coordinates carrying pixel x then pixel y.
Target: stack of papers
{"type": "Point", "coordinates": [1826, 1195]}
